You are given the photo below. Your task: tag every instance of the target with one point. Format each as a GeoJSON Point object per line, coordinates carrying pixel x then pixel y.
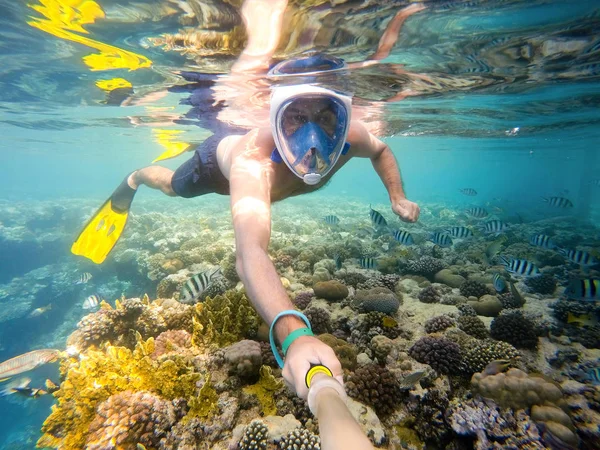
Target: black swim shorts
{"type": "Point", "coordinates": [201, 173]}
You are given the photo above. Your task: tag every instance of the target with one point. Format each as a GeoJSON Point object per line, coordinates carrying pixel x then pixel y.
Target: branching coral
{"type": "Point", "coordinates": [99, 374]}
{"type": "Point", "coordinates": [224, 320]}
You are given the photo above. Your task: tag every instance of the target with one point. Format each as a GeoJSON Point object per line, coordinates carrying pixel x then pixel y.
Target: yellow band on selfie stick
{"type": "Point", "coordinates": [315, 369]}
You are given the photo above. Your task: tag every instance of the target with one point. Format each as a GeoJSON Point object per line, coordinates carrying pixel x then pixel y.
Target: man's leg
{"type": "Point", "coordinates": [154, 177]}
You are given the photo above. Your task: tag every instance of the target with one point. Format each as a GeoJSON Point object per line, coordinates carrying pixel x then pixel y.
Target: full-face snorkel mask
{"type": "Point", "coordinates": [310, 123]}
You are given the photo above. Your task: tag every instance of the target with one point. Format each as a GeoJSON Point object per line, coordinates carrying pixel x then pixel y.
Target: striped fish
{"type": "Point", "coordinates": [403, 237]}
{"type": "Point", "coordinates": [586, 290]}
{"type": "Point", "coordinates": [331, 219]}
{"type": "Point", "coordinates": [542, 240]}
{"type": "Point", "coordinates": [193, 288]}
{"type": "Point", "coordinates": [91, 301]}
{"type": "Point", "coordinates": [84, 278]}
{"type": "Point", "coordinates": [520, 267]}
{"type": "Point", "coordinates": [478, 212]}
{"type": "Point", "coordinates": [493, 226]}
{"type": "Point", "coordinates": [558, 202]}
{"type": "Point", "coordinates": [377, 219]}
{"type": "Point", "coordinates": [337, 259]}
{"type": "Point", "coordinates": [367, 263]}
{"type": "Point", "coordinates": [441, 239]}
{"type": "Point", "coordinates": [499, 283]}
{"type": "Point", "coordinates": [459, 232]}
{"type": "Point", "coordinates": [26, 362]}
{"type": "Point", "coordinates": [470, 192]}
{"type": "Point", "coordinates": [579, 257]}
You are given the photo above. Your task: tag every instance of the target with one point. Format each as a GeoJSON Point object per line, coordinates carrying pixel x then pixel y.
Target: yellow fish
{"type": "Point", "coordinates": [583, 320]}
{"type": "Point", "coordinates": [39, 311]}
{"type": "Point", "coordinates": [27, 362]}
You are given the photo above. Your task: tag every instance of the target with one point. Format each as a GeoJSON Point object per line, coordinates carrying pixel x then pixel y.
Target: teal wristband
{"type": "Point", "coordinates": [289, 312]}
{"type": "Point", "coordinates": [293, 336]}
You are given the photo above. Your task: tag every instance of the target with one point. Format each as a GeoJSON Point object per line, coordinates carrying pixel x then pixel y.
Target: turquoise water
{"type": "Point", "coordinates": [504, 99]}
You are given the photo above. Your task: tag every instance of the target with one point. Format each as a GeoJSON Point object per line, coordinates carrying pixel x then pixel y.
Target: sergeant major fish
{"type": "Point", "coordinates": [193, 288]}
{"type": "Point", "coordinates": [470, 192]}
{"type": "Point", "coordinates": [493, 226]}
{"type": "Point", "coordinates": [542, 240]}
{"type": "Point", "coordinates": [580, 257]}
{"type": "Point", "coordinates": [91, 301]}
{"type": "Point", "coordinates": [84, 278]}
{"type": "Point", "coordinates": [520, 267]}
{"type": "Point", "coordinates": [478, 212]}
{"type": "Point", "coordinates": [403, 237]}
{"type": "Point", "coordinates": [377, 218]}
{"type": "Point", "coordinates": [558, 202]}
{"type": "Point", "coordinates": [367, 263]}
{"type": "Point", "coordinates": [586, 290]}
{"type": "Point", "coordinates": [337, 259]}
{"type": "Point", "coordinates": [499, 283]}
{"type": "Point", "coordinates": [459, 232]}
{"type": "Point", "coordinates": [331, 219]}
{"type": "Point", "coordinates": [441, 239]}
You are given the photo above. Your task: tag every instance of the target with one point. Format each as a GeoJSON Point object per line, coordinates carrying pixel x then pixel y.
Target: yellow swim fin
{"type": "Point", "coordinates": [104, 229]}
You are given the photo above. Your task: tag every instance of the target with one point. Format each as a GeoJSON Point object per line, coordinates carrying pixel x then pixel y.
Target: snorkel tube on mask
{"type": "Point", "coordinates": [309, 123]}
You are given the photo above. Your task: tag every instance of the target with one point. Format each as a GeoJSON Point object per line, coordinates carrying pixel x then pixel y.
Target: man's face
{"type": "Point", "coordinates": [317, 110]}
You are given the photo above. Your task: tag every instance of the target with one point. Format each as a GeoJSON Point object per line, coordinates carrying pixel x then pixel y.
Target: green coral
{"type": "Point", "coordinates": [99, 373]}
{"type": "Point", "coordinates": [224, 320]}
{"type": "Point", "coordinates": [265, 390]}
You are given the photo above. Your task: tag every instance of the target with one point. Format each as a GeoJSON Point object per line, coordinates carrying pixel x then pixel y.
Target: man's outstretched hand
{"type": "Point", "coordinates": [407, 211]}
{"type": "Point", "coordinates": [303, 352]}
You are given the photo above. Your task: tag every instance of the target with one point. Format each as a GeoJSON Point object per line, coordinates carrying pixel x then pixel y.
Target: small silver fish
{"type": "Point", "coordinates": [409, 381]}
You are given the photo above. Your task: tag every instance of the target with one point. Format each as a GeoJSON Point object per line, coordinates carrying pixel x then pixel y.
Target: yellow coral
{"type": "Point", "coordinates": [265, 389]}
{"type": "Point", "coordinates": [205, 404]}
{"type": "Point", "coordinates": [99, 373]}
{"type": "Point", "coordinates": [224, 320]}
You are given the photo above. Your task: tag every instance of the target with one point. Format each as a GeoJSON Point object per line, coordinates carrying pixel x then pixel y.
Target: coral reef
{"type": "Point", "coordinates": [130, 418]}
{"type": "Point", "coordinates": [244, 358]}
{"type": "Point", "coordinates": [515, 389]}
{"type": "Point", "coordinates": [476, 354]}
{"type": "Point", "coordinates": [225, 319]}
{"type": "Point", "coordinates": [515, 329]}
{"type": "Point", "coordinates": [439, 323]}
{"type": "Point", "coordinates": [345, 352]}
{"type": "Point", "coordinates": [255, 436]}
{"type": "Point", "coordinates": [425, 266]}
{"type": "Point", "coordinates": [319, 318]}
{"type": "Point", "coordinates": [473, 326]}
{"type": "Point", "coordinates": [430, 295]}
{"type": "Point", "coordinates": [302, 299]}
{"type": "Point", "coordinates": [542, 284]}
{"type": "Point", "coordinates": [440, 353]}
{"type": "Point", "coordinates": [300, 438]}
{"type": "Point", "coordinates": [353, 279]}
{"type": "Point", "coordinates": [376, 386]}
{"type": "Point", "coordinates": [376, 299]}
{"type": "Point", "coordinates": [330, 290]}
{"type": "Point", "coordinates": [472, 288]}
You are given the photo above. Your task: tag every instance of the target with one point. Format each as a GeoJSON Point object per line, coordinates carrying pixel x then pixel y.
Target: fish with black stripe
{"type": "Point", "coordinates": [493, 226]}
{"type": "Point", "coordinates": [580, 257]}
{"type": "Point", "coordinates": [377, 219]}
{"type": "Point", "coordinates": [558, 202]}
{"type": "Point", "coordinates": [586, 290]}
{"type": "Point", "coordinates": [367, 263]}
{"type": "Point", "coordinates": [520, 267]}
{"type": "Point", "coordinates": [331, 219]}
{"type": "Point", "coordinates": [442, 239]}
{"type": "Point", "coordinates": [84, 278]}
{"type": "Point", "coordinates": [499, 283]}
{"type": "Point", "coordinates": [337, 259]}
{"type": "Point", "coordinates": [469, 192]}
{"type": "Point", "coordinates": [193, 288]}
{"type": "Point", "coordinates": [477, 211]}
{"type": "Point", "coordinates": [403, 237]}
{"type": "Point", "coordinates": [542, 240]}
{"type": "Point", "coordinates": [459, 232]}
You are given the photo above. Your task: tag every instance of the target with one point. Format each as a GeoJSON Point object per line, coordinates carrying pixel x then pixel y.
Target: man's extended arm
{"type": "Point", "coordinates": [383, 160]}
{"type": "Point", "coordinates": [249, 181]}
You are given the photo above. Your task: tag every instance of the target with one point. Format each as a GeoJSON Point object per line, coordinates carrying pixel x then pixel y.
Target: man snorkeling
{"type": "Point", "coordinates": [311, 136]}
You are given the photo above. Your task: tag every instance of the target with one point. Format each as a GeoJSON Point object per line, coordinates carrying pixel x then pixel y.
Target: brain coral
{"type": "Point", "coordinates": [376, 299]}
